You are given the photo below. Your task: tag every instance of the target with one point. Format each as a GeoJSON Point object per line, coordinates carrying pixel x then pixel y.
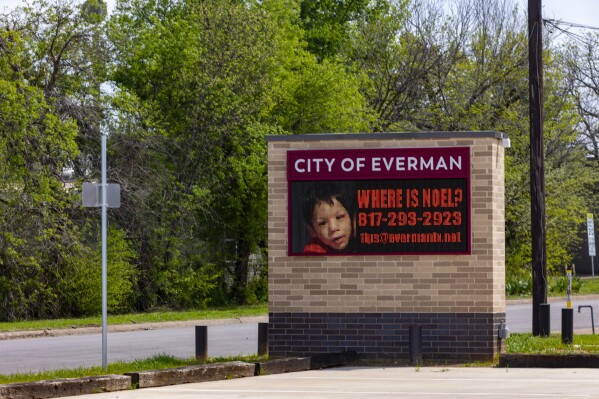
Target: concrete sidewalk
{"type": "Point", "coordinates": [387, 382]}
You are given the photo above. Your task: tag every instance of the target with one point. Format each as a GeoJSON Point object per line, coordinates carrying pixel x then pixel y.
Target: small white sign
{"type": "Point", "coordinates": [92, 195]}
{"type": "Point", "coordinates": [591, 234]}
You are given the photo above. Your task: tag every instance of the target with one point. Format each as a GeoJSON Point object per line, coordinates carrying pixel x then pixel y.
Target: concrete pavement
{"type": "Point", "coordinates": [387, 382]}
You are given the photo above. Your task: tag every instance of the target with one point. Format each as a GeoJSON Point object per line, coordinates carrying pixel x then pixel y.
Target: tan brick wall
{"type": "Point", "coordinates": [393, 284]}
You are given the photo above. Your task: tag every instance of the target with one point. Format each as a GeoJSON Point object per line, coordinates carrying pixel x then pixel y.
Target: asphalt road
{"type": "Point", "coordinates": [384, 383]}
{"type": "Point", "coordinates": [519, 316]}
{"type": "Point", "coordinates": [72, 351]}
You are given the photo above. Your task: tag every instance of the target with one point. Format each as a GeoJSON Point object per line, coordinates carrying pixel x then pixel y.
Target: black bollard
{"type": "Point", "coordinates": [544, 320]}
{"type": "Point", "coordinates": [567, 325]}
{"type": "Point", "coordinates": [415, 344]}
{"type": "Point", "coordinates": [262, 339]}
{"type": "Point", "coordinates": [201, 342]}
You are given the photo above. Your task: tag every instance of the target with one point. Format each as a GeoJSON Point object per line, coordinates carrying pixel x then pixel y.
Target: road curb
{"type": "Point", "coordinates": [65, 387]}
{"type": "Point", "coordinates": [180, 375]}
{"type": "Point", "coordinates": [316, 362]}
{"type": "Point", "coordinates": [190, 374]}
{"type": "Point", "coordinates": [280, 366]}
{"type": "Point", "coordinates": [520, 360]}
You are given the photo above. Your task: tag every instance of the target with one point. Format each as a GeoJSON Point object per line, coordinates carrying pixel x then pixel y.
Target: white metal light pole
{"type": "Point", "coordinates": [106, 196]}
{"type": "Point", "coordinates": [104, 260]}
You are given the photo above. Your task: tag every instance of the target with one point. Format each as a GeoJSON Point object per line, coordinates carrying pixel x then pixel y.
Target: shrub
{"type": "Point", "coordinates": [518, 286]}
{"type": "Point", "coordinates": [559, 285]}
{"type": "Point", "coordinates": [81, 287]}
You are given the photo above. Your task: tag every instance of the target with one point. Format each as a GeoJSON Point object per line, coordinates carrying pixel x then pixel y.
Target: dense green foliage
{"type": "Point", "coordinates": [556, 286]}
{"type": "Point", "coordinates": [187, 90]}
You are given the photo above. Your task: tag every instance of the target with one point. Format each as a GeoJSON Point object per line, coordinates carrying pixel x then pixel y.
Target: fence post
{"type": "Point", "coordinates": [415, 344]}
{"type": "Point", "coordinates": [201, 342]}
{"type": "Point", "coordinates": [544, 320]}
{"type": "Point", "coordinates": [262, 339]}
{"type": "Point", "coordinates": [567, 325]}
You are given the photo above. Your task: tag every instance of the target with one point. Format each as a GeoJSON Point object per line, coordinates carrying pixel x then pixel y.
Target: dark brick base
{"type": "Point", "coordinates": [445, 336]}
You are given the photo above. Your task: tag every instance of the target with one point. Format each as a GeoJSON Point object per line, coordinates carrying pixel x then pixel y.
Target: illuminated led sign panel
{"type": "Point", "coordinates": [379, 201]}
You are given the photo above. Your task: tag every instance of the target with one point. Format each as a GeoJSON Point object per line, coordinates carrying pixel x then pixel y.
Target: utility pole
{"type": "Point", "coordinates": [540, 308]}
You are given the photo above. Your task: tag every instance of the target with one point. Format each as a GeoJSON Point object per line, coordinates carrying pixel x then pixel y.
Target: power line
{"type": "Point", "coordinates": [554, 25]}
{"type": "Point", "coordinates": [556, 22]}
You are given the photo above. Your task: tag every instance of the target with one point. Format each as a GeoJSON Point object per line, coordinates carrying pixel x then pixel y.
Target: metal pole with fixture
{"type": "Point", "coordinates": [104, 195]}
{"type": "Point", "coordinates": [104, 191]}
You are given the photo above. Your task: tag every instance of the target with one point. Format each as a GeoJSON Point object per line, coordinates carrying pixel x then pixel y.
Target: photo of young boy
{"type": "Point", "coordinates": [327, 214]}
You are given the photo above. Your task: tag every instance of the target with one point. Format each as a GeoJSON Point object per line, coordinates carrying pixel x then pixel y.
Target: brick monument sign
{"type": "Point", "coordinates": [371, 234]}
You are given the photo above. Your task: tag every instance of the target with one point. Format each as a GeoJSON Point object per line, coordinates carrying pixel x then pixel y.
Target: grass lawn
{"type": "Point", "coordinates": [137, 318]}
{"type": "Point", "coordinates": [154, 363]}
{"type": "Point", "coordinates": [589, 286]}
{"type": "Point", "coordinates": [526, 343]}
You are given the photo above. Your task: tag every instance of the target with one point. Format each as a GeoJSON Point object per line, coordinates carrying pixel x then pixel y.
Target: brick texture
{"type": "Point", "coordinates": [443, 292]}
{"type": "Point", "coordinates": [445, 336]}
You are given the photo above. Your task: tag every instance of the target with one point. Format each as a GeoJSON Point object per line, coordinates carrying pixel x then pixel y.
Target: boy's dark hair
{"type": "Point", "coordinates": [323, 192]}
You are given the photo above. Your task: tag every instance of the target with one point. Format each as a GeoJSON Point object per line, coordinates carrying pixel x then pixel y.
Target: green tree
{"type": "Point", "coordinates": [580, 59]}
{"type": "Point", "coordinates": [463, 66]}
{"type": "Point", "coordinates": [200, 86]}
{"type": "Point", "coordinates": [326, 22]}
{"type": "Point", "coordinates": [404, 52]}
{"type": "Point", "coordinates": [52, 63]}
{"type": "Point", "coordinates": [81, 288]}
{"type": "Point", "coordinates": [35, 145]}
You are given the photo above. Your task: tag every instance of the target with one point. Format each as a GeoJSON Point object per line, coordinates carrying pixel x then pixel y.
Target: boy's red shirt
{"type": "Point", "coordinates": [315, 246]}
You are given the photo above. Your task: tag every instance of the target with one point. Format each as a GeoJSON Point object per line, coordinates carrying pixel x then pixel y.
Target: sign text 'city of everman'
{"type": "Point", "coordinates": [378, 164]}
{"type": "Point", "coordinates": [371, 163]}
